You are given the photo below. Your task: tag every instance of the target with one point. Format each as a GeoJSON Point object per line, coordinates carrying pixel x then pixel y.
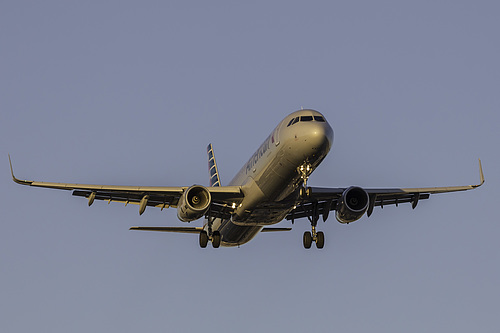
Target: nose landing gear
{"type": "Point", "coordinates": [318, 237]}
{"type": "Point", "coordinates": [305, 171]}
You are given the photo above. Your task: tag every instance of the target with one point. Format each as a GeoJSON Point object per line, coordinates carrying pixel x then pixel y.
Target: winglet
{"type": "Point", "coordinates": [481, 175]}
{"type": "Point", "coordinates": [22, 182]}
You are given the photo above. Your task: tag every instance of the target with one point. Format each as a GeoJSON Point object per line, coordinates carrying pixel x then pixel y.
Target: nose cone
{"type": "Point", "coordinates": [319, 136]}
{"type": "Point", "coordinates": [313, 140]}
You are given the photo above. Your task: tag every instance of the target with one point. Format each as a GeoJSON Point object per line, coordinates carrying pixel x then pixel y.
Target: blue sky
{"type": "Point", "coordinates": [122, 92]}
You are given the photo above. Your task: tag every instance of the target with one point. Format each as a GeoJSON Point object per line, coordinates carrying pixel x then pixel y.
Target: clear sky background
{"type": "Point", "coordinates": [131, 93]}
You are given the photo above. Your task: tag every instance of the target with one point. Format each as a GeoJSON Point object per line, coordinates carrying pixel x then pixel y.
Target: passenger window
{"type": "Point", "coordinates": [306, 118]}
{"type": "Point", "coordinates": [319, 118]}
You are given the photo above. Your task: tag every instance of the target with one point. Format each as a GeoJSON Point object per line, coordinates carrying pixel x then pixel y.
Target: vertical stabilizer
{"type": "Point", "coordinates": [212, 167]}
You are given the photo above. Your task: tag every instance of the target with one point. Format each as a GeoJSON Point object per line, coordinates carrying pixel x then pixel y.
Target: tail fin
{"type": "Point", "coordinates": [212, 167]}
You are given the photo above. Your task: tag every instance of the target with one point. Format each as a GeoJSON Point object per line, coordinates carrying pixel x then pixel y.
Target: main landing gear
{"type": "Point", "coordinates": [204, 239]}
{"type": "Point", "coordinates": [314, 236]}
{"type": "Point", "coordinates": [317, 237]}
{"type": "Point", "coordinates": [214, 238]}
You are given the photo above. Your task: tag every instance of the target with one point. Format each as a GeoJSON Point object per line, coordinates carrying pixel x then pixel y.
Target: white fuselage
{"type": "Point", "coordinates": [272, 175]}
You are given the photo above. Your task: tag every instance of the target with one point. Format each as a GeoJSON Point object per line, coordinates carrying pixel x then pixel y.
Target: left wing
{"type": "Point", "coordinates": [223, 198]}
{"type": "Point", "coordinates": [321, 201]}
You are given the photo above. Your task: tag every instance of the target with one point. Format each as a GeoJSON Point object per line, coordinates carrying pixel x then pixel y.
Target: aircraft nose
{"type": "Point", "coordinates": [319, 136]}
{"type": "Point", "coordinates": [312, 139]}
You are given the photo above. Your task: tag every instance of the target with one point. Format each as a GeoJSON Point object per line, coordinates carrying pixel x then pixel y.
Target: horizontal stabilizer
{"type": "Point", "coordinates": [183, 230]}
{"type": "Point", "coordinates": [275, 229]}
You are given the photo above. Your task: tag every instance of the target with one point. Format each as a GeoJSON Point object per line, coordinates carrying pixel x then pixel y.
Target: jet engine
{"type": "Point", "coordinates": [193, 203]}
{"type": "Point", "coordinates": [352, 205]}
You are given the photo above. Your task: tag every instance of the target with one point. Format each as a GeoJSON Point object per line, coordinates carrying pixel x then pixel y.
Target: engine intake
{"type": "Point", "coordinates": [193, 203]}
{"type": "Point", "coordinates": [352, 205]}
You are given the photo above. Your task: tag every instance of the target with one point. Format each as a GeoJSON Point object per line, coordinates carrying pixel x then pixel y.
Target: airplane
{"type": "Point", "coordinates": [270, 187]}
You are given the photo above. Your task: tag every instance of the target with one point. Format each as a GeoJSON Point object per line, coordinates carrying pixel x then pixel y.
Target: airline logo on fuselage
{"type": "Point", "coordinates": [259, 153]}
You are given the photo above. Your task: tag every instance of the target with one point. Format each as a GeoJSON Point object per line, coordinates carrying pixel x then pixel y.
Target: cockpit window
{"type": "Point", "coordinates": [293, 121]}
{"type": "Point", "coordinates": [306, 118]}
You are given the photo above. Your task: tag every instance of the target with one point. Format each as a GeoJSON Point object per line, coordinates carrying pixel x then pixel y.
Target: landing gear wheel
{"type": "Point", "coordinates": [203, 239]}
{"type": "Point", "coordinates": [305, 192]}
{"type": "Point", "coordinates": [320, 240]}
{"type": "Point", "coordinates": [307, 239]}
{"type": "Point", "coordinates": [215, 239]}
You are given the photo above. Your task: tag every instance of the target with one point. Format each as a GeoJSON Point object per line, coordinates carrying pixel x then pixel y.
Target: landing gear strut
{"type": "Point", "coordinates": [317, 236]}
{"type": "Point", "coordinates": [305, 171]}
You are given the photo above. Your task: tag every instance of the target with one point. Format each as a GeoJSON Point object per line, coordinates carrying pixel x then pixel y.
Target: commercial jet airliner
{"type": "Point", "coordinates": [270, 187]}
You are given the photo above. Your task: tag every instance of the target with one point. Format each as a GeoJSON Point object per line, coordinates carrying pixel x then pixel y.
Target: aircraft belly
{"type": "Point", "coordinates": [235, 235]}
{"type": "Point", "coordinates": [262, 216]}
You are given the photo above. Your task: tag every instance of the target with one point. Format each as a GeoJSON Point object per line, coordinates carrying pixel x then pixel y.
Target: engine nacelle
{"type": "Point", "coordinates": [352, 205]}
{"type": "Point", "coordinates": [193, 203]}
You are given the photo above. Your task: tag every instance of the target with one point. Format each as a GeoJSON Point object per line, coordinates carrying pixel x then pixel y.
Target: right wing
{"type": "Point", "coordinates": [323, 200]}
{"type": "Point", "coordinates": [223, 198]}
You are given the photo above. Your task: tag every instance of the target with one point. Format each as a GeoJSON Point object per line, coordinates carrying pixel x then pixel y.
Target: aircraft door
{"type": "Point", "coordinates": [275, 137]}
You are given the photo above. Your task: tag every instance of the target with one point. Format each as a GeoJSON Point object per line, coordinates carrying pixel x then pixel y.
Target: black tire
{"type": "Point", "coordinates": [203, 239]}
{"type": "Point", "coordinates": [216, 239]}
{"type": "Point", "coordinates": [320, 240]}
{"type": "Point", "coordinates": [305, 192]}
{"type": "Point", "coordinates": [307, 239]}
